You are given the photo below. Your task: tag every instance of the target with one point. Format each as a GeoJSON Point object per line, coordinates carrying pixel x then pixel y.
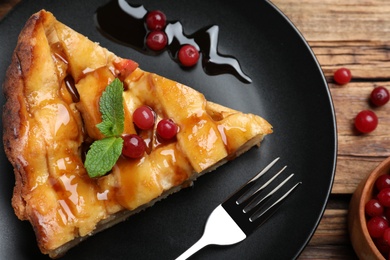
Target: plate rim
{"type": "Point", "coordinates": [329, 99]}
{"type": "Point", "coordinates": [333, 111]}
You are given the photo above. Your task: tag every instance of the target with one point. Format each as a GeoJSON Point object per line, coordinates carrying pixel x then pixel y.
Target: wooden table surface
{"type": "Point", "coordinates": [353, 34]}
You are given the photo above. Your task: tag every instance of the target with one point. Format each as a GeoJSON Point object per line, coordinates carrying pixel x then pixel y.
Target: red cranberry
{"type": "Point", "coordinates": [376, 226]}
{"type": "Point", "coordinates": [156, 40]}
{"type": "Point", "coordinates": [374, 208]}
{"type": "Point", "coordinates": [188, 55]}
{"type": "Point", "coordinates": [342, 76]}
{"type": "Point", "coordinates": [156, 20]}
{"type": "Point", "coordinates": [166, 129]}
{"type": "Point", "coordinates": [384, 197]}
{"type": "Point", "coordinates": [143, 117]}
{"type": "Point", "coordinates": [382, 245]}
{"type": "Point", "coordinates": [386, 235]}
{"type": "Point", "coordinates": [379, 96]}
{"type": "Point", "coordinates": [133, 146]}
{"type": "Point", "coordinates": [366, 121]}
{"type": "Point", "coordinates": [382, 182]}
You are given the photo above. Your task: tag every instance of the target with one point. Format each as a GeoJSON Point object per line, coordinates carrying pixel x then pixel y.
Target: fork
{"type": "Point", "coordinates": [243, 212]}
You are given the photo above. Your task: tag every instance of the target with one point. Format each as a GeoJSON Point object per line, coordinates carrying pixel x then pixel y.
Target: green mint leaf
{"type": "Point", "coordinates": [111, 107]}
{"type": "Point", "coordinates": [103, 155]}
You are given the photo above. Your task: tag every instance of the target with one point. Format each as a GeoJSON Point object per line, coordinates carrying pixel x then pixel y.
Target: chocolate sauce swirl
{"type": "Point", "coordinates": [124, 24]}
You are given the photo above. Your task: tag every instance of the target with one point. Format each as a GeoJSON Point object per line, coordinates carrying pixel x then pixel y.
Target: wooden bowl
{"type": "Point", "coordinates": [357, 222]}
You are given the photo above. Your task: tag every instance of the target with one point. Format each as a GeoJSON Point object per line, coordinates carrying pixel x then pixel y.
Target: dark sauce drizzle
{"type": "Point", "coordinates": [123, 23]}
{"type": "Point", "coordinates": [71, 87]}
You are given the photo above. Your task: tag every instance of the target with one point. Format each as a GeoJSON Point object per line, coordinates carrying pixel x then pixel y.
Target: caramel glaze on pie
{"type": "Point", "coordinates": [48, 119]}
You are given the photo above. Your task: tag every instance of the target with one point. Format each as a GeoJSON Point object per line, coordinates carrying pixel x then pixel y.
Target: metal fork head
{"type": "Point", "coordinates": [251, 205]}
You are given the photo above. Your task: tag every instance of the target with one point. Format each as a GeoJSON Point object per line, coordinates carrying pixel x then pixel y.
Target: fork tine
{"type": "Point", "coordinates": [260, 213]}
{"type": "Point", "coordinates": [240, 195]}
{"type": "Point", "coordinates": [251, 206]}
{"type": "Point", "coordinates": [255, 201]}
{"type": "Point", "coordinates": [264, 170]}
{"type": "Point", "coordinates": [249, 194]}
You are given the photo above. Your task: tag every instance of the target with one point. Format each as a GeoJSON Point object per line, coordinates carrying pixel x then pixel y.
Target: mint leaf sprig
{"type": "Point", "coordinates": [104, 153]}
{"type": "Point", "coordinates": [102, 156]}
{"type": "Point", "coordinates": [111, 107]}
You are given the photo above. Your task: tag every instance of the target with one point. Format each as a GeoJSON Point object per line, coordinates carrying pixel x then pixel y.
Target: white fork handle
{"type": "Point", "coordinates": [194, 248]}
{"type": "Point", "coordinates": [220, 230]}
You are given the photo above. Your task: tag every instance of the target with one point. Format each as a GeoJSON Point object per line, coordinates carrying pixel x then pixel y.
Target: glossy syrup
{"type": "Point", "coordinates": [124, 23]}
{"type": "Point", "coordinates": [71, 87]}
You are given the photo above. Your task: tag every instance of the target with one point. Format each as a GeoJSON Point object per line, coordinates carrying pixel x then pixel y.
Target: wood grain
{"type": "Point", "coordinates": [339, 21]}
{"type": "Point", "coordinates": [353, 34]}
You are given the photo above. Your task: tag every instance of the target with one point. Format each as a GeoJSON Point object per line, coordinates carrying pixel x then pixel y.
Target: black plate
{"type": "Point", "coordinates": [288, 89]}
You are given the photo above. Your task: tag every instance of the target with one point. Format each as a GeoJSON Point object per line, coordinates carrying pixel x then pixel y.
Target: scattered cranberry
{"type": "Point", "coordinates": [143, 117]}
{"type": "Point", "coordinates": [366, 121]}
{"type": "Point", "coordinates": [376, 226]}
{"type": "Point", "coordinates": [156, 40]}
{"type": "Point", "coordinates": [156, 20]}
{"type": "Point", "coordinates": [374, 208]}
{"type": "Point", "coordinates": [188, 55]}
{"type": "Point", "coordinates": [379, 96]}
{"type": "Point", "coordinates": [166, 129]}
{"type": "Point", "coordinates": [133, 146]}
{"type": "Point", "coordinates": [342, 76]}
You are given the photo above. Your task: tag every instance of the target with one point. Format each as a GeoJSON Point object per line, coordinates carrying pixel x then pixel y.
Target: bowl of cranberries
{"type": "Point", "coordinates": [369, 215]}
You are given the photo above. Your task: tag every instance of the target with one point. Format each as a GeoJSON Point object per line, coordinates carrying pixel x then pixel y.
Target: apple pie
{"type": "Point", "coordinates": [53, 87]}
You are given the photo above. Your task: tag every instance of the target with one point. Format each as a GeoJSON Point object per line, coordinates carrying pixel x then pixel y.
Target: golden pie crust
{"type": "Point", "coordinates": [52, 91]}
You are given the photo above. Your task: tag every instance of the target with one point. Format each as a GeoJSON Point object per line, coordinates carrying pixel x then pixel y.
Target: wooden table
{"type": "Point", "coordinates": [354, 34]}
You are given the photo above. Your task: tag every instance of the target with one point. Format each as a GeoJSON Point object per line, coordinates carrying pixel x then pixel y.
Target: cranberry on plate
{"type": "Point", "coordinates": [188, 55]}
{"type": "Point", "coordinates": [156, 20]}
{"type": "Point", "coordinates": [156, 40]}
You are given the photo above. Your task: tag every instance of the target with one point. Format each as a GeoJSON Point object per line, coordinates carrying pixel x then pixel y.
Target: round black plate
{"type": "Point", "coordinates": [288, 89]}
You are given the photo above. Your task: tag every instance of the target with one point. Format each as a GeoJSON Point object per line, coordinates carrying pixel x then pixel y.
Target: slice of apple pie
{"type": "Point", "coordinates": [53, 116]}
